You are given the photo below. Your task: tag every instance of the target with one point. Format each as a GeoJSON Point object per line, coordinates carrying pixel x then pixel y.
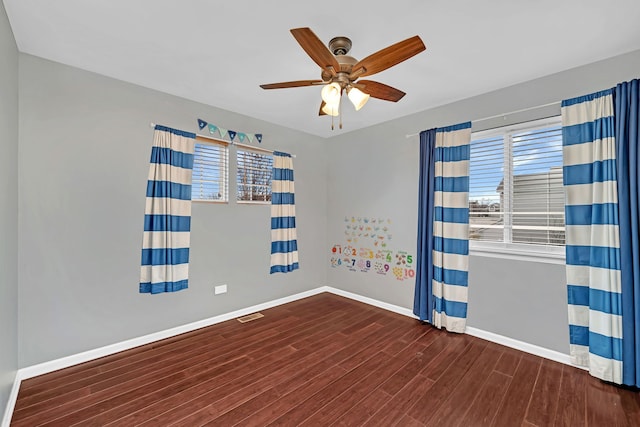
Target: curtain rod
{"type": "Point", "coordinates": [502, 115]}
{"type": "Point", "coordinates": [237, 144]}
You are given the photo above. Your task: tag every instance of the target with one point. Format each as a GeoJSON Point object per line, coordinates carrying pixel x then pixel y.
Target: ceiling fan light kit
{"type": "Point", "coordinates": [357, 97]}
{"type": "Point", "coordinates": [340, 72]}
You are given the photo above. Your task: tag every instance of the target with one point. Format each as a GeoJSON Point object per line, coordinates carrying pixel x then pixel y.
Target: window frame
{"type": "Point", "coordinates": [507, 249]}
{"type": "Point", "coordinates": [224, 172]}
{"type": "Point", "coordinates": [268, 186]}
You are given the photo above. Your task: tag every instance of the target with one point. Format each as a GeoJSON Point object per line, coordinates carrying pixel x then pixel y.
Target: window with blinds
{"type": "Point", "coordinates": [515, 185]}
{"type": "Point", "coordinates": [253, 176]}
{"type": "Point", "coordinates": [209, 182]}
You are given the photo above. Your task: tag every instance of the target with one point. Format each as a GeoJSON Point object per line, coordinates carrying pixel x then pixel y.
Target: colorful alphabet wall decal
{"type": "Point", "coordinates": [367, 248]}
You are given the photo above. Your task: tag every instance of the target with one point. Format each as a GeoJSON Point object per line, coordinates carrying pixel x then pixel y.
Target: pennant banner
{"type": "Point", "coordinates": [213, 129]}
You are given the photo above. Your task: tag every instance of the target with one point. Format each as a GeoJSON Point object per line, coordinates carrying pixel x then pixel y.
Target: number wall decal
{"type": "Point", "coordinates": [367, 249]}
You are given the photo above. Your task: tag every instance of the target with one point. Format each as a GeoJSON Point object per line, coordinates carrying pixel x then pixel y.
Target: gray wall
{"type": "Point", "coordinates": [374, 172]}
{"type": "Point", "coordinates": [85, 143]}
{"type": "Point", "coordinates": [8, 209]}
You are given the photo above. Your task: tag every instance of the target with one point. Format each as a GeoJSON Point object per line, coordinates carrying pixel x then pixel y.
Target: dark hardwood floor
{"type": "Point", "coordinates": [323, 361]}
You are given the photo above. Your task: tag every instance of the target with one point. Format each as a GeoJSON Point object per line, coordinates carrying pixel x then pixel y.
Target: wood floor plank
{"type": "Point", "coordinates": [395, 409]}
{"type": "Point", "coordinates": [544, 401]}
{"type": "Point", "coordinates": [354, 394]}
{"type": "Point", "coordinates": [572, 398]}
{"type": "Point", "coordinates": [398, 380]}
{"type": "Point", "coordinates": [248, 343]}
{"type": "Point", "coordinates": [630, 401]}
{"type": "Point", "coordinates": [103, 389]}
{"type": "Point", "coordinates": [363, 409]}
{"type": "Point", "coordinates": [426, 407]}
{"type": "Point", "coordinates": [293, 398]}
{"type": "Point", "coordinates": [309, 407]}
{"type": "Point", "coordinates": [456, 344]}
{"type": "Point", "coordinates": [509, 361]}
{"type": "Point", "coordinates": [323, 360]}
{"type": "Point", "coordinates": [408, 421]}
{"type": "Point", "coordinates": [203, 394]}
{"type": "Point", "coordinates": [490, 396]}
{"type": "Point", "coordinates": [514, 407]}
{"type": "Point", "coordinates": [454, 408]}
{"type": "Point", "coordinates": [605, 407]}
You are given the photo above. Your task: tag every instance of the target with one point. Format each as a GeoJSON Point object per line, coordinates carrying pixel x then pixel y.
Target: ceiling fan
{"type": "Point", "coordinates": [341, 72]}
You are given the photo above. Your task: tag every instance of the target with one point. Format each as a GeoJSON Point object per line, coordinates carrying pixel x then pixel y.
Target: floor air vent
{"type": "Point", "coordinates": [250, 317]}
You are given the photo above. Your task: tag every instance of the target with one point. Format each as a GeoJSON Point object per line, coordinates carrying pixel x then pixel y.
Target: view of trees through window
{"type": "Point", "coordinates": [253, 177]}
{"type": "Point", "coordinates": [515, 187]}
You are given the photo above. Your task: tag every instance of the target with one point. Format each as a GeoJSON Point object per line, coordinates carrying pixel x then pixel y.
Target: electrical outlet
{"type": "Point", "coordinates": [220, 289]}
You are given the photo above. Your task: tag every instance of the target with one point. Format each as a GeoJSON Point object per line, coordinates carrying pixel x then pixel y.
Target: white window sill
{"type": "Point", "coordinates": [253, 202]}
{"type": "Point", "coordinates": [553, 255]}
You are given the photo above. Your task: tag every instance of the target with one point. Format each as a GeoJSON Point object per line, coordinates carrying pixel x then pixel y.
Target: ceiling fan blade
{"type": "Point", "coordinates": [380, 90]}
{"type": "Point", "coordinates": [322, 113]}
{"type": "Point", "coordinates": [297, 83]}
{"type": "Point", "coordinates": [314, 47]}
{"type": "Point", "coordinates": [388, 57]}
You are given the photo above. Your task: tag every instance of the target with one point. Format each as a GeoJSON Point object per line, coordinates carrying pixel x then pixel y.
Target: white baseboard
{"type": "Point", "coordinates": [11, 403]}
{"type": "Point", "coordinates": [371, 301]}
{"type": "Point", "coordinates": [521, 345]}
{"type": "Point", "coordinates": [65, 362]}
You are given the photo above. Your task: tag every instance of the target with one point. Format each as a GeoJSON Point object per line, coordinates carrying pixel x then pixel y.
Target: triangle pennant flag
{"type": "Point", "coordinates": [222, 131]}
{"type": "Point", "coordinates": [259, 137]}
{"type": "Point", "coordinates": [250, 137]}
{"type": "Point", "coordinates": [201, 124]}
{"type": "Point", "coordinates": [213, 129]}
{"type": "Point", "coordinates": [241, 136]}
{"type": "Point", "coordinates": [232, 134]}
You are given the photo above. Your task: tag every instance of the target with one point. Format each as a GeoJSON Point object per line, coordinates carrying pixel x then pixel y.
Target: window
{"type": "Point", "coordinates": [209, 181]}
{"type": "Point", "coordinates": [253, 177]}
{"type": "Point", "coordinates": [516, 197]}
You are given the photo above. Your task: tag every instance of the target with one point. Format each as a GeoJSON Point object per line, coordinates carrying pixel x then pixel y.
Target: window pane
{"type": "Point", "coordinates": [209, 180]}
{"type": "Point", "coordinates": [486, 219]}
{"type": "Point", "coordinates": [254, 176]}
{"type": "Point", "coordinates": [538, 195]}
{"type": "Point", "coordinates": [527, 204]}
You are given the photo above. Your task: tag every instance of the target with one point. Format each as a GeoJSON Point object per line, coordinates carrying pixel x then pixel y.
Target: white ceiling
{"type": "Point", "coordinates": [218, 53]}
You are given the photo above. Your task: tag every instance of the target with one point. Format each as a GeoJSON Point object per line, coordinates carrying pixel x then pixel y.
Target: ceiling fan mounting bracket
{"type": "Point", "coordinates": [340, 45]}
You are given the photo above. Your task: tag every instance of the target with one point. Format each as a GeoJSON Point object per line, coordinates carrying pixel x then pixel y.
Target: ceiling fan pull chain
{"type": "Point", "coordinates": [340, 110]}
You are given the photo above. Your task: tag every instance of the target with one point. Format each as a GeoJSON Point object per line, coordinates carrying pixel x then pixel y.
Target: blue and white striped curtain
{"type": "Point", "coordinates": [284, 243]}
{"type": "Point", "coordinates": [447, 299]}
{"type": "Point", "coordinates": [627, 115]}
{"type": "Point", "coordinates": [167, 219]}
{"type": "Point", "coordinates": [592, 235]}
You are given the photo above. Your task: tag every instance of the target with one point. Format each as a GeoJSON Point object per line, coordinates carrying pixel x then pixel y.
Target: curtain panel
{"type": "Point", "coordinates": [592, 234]}
{"type": "Point", "coordinates": [446, 199]}
{"type": "Point", "coordinates": [167, 219]}
{"type": "Point", "coordinates": [627, 134]}
{"type": "Point", "coordinates": [424, 301]}
{"type": "Point", "coordinates": [284, 243]}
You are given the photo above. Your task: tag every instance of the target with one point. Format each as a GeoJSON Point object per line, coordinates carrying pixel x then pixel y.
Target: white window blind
{"type": "Point", "coordinates": [253, 178]}
{"type": "Point", "coordinates": [210, 180]}
{"type": "Point", "coordinates": [515, 185]}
